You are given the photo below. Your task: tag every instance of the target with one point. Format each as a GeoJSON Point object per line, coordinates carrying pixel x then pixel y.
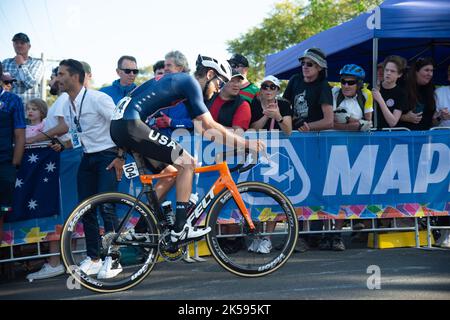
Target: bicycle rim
{"type": "Point", "coordinates": [136, 257]}
{"type": "Point", "coordinates": [258, 253]}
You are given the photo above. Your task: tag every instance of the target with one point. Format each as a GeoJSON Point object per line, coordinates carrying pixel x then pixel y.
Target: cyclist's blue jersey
{"type": "Point", "coordinates": [165, 92]}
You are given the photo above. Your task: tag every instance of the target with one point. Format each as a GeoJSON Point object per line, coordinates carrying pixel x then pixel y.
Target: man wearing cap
{"type": "Point", "coordinates": [26, 70]}
{"type": "Point", "coordinates": [12, 142]}
{"type": "Point", "coordinates": [312, 104]}
{"type": "Point", "coordinates": [248, 90]}
{"type": "Point", "coordinates": [228, 107]}
{"type": "Point", "coordinates": [310, 93]}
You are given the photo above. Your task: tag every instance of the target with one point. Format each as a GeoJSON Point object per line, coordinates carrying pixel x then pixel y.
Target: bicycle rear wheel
{"type": "Point", "coordinates": [135, 249]}
{"type": "Point", "coordinates": [266, 249]}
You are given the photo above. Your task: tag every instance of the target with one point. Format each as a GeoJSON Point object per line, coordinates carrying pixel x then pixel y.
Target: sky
{"type": "Point", "coordinates": [100, 31]}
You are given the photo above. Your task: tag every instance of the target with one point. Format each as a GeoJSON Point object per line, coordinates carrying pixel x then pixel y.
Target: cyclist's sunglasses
{"type": "Point", "coordinates": [236, 65]}
{"type": "Point", "coordinates": [348, 82]}
{"type": "Point", "coordinates": [128, 71]}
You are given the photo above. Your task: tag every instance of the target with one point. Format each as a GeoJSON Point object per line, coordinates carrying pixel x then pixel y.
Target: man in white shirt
{"type": "Point", "coordinates": [90, 117]}
{"type": "Point", "coordinates": [443, 104]}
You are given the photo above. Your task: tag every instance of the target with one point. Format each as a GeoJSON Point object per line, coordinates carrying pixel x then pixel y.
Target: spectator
{"type": "Point", "coordinates": [421, 102]}
{"type": "Point", "coordinates": [58, 118]}
{"type": "Point", "coordinates": [391, 97]}
{"type": "Point", "coordinates": [91, 113]}
{"type": "Point", "coordinates": [443, 104]}
{"type": "Point", "coordinates": [158, 68]}
{"type": "Point", "coordinates": [127, 71]}
{"type": "Point", "coordinates": [176, 62]}
{"type": "Point", "coordinates": [7, 82]}
{"type": "Point", "coordinates": [12, 142]}
{"type": "Point", "coordinates": [248, 90]}
{"type": "Point", "coordinates": [270, 111]}
{"type": "Point", "coordinates": [36, 112]}
{"type": "Point", "coordinates": [178, 117]}
{"type": "Point", "coordinates": [310, 94]}
{"type": "Point", "coordinates": [352, 103]}
{"type": "Point", "coordinates": [27, 70]}
{"type": "Point", "coordinates": [87, 75]}
{"type": "Point", "coordinates": [55, 124]}
{"type": "Point", "coordinates": [443, 120]}
{"type": "Point", "coordinates": [312, 102]}
{"type": "Point", "coordinates": [228, 107]}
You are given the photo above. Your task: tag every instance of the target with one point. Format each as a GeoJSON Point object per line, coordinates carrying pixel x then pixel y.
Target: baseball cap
{"type": "Point", "coordinates": [236, 74]}
{"type": "Point", "coordinates": [317, 55]}
{"type": "Point", "coordinates": [272, 79]}
{"type": "Point", "coordinates": [7, 77]}
{"type": "Point", "coordinates": [239, 59]}
{"type": "Point", "coordinates": [21, 37]}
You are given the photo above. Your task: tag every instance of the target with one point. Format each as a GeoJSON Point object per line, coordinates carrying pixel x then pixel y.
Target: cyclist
{"type": "Point", "coordinates": [129, 131]}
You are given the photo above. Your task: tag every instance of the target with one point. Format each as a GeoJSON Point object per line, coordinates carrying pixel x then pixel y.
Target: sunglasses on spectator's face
{"type": "Point", "coordinates": [128, 71]}
{"type": "Point", "coordinates": [266, 86]}
{"type": "Point", "coordinates": [348, 82]}
{"type": "Point", "coordinates": [8, 82]}
{"type": "Point", "coordinates": [307, 64]}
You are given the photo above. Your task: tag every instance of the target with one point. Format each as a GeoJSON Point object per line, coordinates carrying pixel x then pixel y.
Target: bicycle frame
{"type": "Point", "coordinates": [225, 181]}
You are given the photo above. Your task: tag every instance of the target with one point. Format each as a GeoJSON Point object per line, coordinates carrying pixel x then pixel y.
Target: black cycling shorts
{"type": "Point", "coordinates": [157, 149]}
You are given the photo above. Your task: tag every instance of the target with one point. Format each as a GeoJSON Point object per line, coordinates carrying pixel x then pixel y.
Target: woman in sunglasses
{"type": "Point", "coordinates": [7, 82]}
{"type": "Point", "coordinates": [269, 111]}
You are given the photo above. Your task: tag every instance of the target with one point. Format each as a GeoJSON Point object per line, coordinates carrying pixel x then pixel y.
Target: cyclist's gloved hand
{"type": "Point", "coordinates": [163, 121]}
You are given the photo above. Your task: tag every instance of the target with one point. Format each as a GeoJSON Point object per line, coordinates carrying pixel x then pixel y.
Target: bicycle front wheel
{"type": "Point", "coordinates": [133, 252]}
{"type": "Point", "coordinates": [252, 253]}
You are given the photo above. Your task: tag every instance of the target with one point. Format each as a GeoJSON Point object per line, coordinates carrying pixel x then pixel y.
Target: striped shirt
{"type": "Point", "coordinates": [28, 76]}
{"type": "Point", "coordinates": [249, 92]}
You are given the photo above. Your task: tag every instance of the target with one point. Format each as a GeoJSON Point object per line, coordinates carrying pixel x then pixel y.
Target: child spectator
{"type": "Point", "coordinates": [36, 110]}
{"type": "Point", "coordinates": [391, 97]}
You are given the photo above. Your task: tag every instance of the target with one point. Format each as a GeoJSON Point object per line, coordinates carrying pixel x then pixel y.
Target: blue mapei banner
{"type": "Point", "coordinates": [332, 169]}
{"type": "Point", "coordinates": [37, 192]}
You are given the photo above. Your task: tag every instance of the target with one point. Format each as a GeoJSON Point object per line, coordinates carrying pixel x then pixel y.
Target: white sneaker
{"type": "Point", "coordinates": [90, 267]}
{"type": "Point", "coordinates": [47, 271]}
{"type": "Point", "coordinates": [188, 232]}
{"type": "Point", "coordinates": [265, 246]}
{"type": "Point", "coordinates": [253, 247]}
{"type": "Point", "coordinates": [109, 269]}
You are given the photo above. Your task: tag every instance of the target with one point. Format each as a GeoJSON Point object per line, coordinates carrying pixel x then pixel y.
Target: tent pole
{"type": "Point", "coordinates": [374, 76]}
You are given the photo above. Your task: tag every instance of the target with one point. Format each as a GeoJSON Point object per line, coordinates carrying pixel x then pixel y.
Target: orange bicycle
{"type": "Point", "coordinates": [254, 229]}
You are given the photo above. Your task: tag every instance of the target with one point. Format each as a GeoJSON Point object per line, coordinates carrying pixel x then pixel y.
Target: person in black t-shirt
{"type": "Point", "coordinates": [421, 103]}
{"type": "Point", "coordinates": [269, 111]}
{"type": "Point", "coordinates": [310, 94]}
{"type": "Point", "coordinates": [391, 97]}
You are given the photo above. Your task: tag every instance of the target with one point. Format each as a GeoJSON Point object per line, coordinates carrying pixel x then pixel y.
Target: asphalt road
{"type": "Point", "coordinates": [406, 274]}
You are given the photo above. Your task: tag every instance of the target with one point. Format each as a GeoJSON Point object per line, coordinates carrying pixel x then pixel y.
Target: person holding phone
{"type": "Point", "coordinates": [421, 101]}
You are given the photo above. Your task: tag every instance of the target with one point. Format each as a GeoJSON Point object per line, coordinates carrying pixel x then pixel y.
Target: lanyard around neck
{"type": "Point", "coordinates": [81, 105]}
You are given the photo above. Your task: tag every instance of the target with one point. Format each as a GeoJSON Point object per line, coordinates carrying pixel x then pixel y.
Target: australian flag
{"type": "Point", "coordinates": [37, 191]}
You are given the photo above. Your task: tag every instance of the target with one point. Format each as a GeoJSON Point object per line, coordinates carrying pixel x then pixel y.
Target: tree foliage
{"type": "Point", "coordinates": [290, 22]}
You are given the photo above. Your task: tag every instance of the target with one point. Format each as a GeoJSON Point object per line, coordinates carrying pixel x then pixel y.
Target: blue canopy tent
{"type": "Point", "coordinates": [407, 28]}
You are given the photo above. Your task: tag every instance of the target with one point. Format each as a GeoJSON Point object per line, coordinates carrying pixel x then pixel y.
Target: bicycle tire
{"type": "Point", "coordinates": [69, 242]}
{"type": "Point", "coordinates": [242, 262]}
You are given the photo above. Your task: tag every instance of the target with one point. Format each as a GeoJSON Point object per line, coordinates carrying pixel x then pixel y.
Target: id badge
{"type": "Point", "coordinates": [75, 139]}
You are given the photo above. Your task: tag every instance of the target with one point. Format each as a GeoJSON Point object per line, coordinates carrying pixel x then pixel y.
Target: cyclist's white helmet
{"type": "Point", "coordinates": [222, 68]}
